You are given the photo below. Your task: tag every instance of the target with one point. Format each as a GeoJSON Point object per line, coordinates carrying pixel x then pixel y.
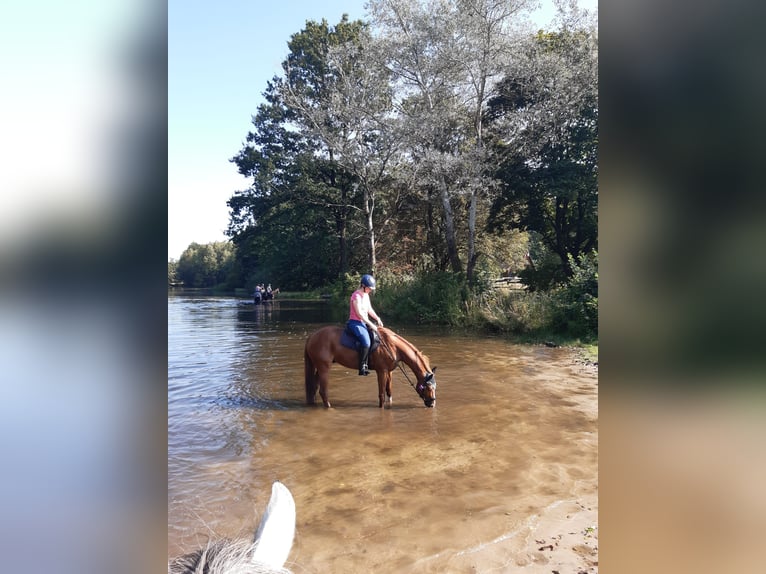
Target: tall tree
{"type": "Point", "coordinates": [269, 221]}
{"type": "Point", "coordinates": [545, 121]}
{"type": "Point", "coordinates": [416, 40]}
{"type": "Point", "coordinates": [206, 265]}
{"type": "Point", "coordinates": [446, 56]}
{"type": "Point", "coordinates": [484, 50]}
{"type": "Point", "coordinates": [337, 94]}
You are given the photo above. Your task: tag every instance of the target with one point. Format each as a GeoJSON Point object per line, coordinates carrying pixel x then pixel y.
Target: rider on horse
{"type": "Point", "coordinates": [360, 311]}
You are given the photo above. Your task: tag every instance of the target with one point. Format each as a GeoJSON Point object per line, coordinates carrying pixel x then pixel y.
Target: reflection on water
{"type": "Point", "coordinates": [401, 489]}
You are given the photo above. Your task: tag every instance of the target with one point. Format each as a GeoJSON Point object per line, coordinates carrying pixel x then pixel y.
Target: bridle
{"type": "Point", "coordinates": [428, 381]}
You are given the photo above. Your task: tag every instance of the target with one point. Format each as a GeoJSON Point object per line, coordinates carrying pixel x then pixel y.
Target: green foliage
{"type": "Point", "coordinates": [207, 265]}
{"type": "Point", "coordinates": [333, 164]}
{"type": "Point", "coordinates": [505, 253]}
{"type": "Point", "coordinates": [298, 225]}
{"type": "Point", "coordinates": [290, 248]}
{"type": "Point", "coordinates": [415, 298]}
{"type": "Point", "coordinates": [575, 304]}
{"type": "Point", "coordinates": [424, 298]}
{"type": "Point", "coordinates": [549, 173]}
{"type": "Point", "coordinates": [546, 274]}
{"type": "Point", "coordinates": [173, 271]}
{"type": "Point", "coordinates": [564, 312]}
{"type": "Point", "coordinates": [514, 312]}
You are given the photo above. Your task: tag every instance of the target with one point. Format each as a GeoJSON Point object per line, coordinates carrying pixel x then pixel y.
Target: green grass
{"type": "Point", "coordinates": [591, 352]}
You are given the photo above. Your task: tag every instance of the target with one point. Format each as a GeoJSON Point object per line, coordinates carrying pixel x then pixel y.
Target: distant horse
{"type": "Point", "coordinates": [265, 555]}
{"type": "Point", "coordinates": [261, 295]}
{"type": "Point", "coordinates": [323, 348]}
{"type": "Point", "coordinates": [268, 296]}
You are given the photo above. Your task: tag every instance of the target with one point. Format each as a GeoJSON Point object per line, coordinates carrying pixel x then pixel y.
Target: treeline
{"type": "Point", "coordinates": [437, 139]}
{"type": "Point", "coordinates": [206, 265]}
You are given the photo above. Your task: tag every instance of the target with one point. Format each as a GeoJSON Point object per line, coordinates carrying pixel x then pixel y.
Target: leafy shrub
{"type": "Point", "coordinates": [426, 298]}
{"type": "Point", "coordinates": [575, 304]}
{"type": "Point", "coordinates": [547, 273]}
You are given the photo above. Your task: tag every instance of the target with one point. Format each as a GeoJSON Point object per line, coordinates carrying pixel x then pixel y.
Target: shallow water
{"type": "Point", "coordinates": [405, 489]}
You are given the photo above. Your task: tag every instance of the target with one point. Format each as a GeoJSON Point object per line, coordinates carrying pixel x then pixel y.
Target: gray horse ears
{"type": "Point", "coordinates": [275, 533]}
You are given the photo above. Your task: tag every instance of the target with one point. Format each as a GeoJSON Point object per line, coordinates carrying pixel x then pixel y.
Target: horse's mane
{"type": "Point", "coordinates": [413, 348]}
{"type": "Point", "coordinates": [241, 556]}
{"type": "Point", "coordinates": [222, 557]}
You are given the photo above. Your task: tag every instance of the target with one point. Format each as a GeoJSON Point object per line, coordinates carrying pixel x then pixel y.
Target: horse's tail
{"type": "Point", "coordinates": [310, 374]}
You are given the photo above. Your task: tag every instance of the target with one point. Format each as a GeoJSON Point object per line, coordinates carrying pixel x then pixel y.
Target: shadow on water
{"type": "Point", "coordinates": [411, 489]}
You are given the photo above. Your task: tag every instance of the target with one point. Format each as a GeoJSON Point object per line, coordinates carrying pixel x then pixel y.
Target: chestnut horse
{"type": "Point", "coordinates": [323, 348]}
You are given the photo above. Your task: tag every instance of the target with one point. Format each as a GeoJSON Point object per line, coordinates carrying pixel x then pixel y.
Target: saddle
{"type": "Point", "coordinates": [348, 339]}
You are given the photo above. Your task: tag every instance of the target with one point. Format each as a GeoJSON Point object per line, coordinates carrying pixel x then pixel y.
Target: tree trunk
{"type": "Point", "coordinates": [449, 230]}
{"type": "Point", "coordinates": [561, 230]}
{"type": "Point", "coordinates": [369, 208]}
{"type": "Point", "coordinates": [472, 256]}
{"type": "Point", "coordinates": [342, 245]}
{"type": "Point", "coordinates": [340, 222]}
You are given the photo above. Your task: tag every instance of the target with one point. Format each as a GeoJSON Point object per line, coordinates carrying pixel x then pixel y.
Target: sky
{"type": "Point", "coordinates": [220, 57]}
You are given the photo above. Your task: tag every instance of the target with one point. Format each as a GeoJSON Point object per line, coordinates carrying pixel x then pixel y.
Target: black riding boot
{"type": "Point", "coordinates": [364, 353]}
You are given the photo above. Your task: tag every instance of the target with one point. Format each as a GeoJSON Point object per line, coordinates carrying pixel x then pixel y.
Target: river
{"type": "Point", "coordinates": [504, 466]}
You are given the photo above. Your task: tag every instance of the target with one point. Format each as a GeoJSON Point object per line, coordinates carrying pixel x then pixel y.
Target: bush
{"type": "Point", "coordinates": [547, 273]}
{"type": "Point", "coordinates": [418, 298]}
{"type": "Point", "coordinates": [443, 298]}
{"type": "Point", "coordinates": [517, 312]}
{"type": "Point", "coordinates": [425, 298]}
{"type": "Point", "coordinates": [575, 304]}
{"type": "Point", "coordinates": [564, 312]}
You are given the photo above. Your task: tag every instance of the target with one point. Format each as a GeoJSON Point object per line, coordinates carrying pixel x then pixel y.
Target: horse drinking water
{"type": "Point", "coordinates": [324, 347]}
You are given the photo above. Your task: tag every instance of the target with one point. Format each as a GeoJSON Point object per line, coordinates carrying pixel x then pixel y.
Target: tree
{"type": "Point", "coordinates": [545, 124]}
{"type": "Point", "coordinates": [206, 265]}
{"type": "Point", "coordinates": [483, 52]}
{"type": "Point", "coordinates": [445, 56]}
{"type": "Point", "coordinates": [338, 95]}
{"type": "Point", "coordinates": [416, 41]}
{"type": "Point", "coordinates": [294, 207]}
{"type": "Point", "coordinates": [436, 123]}
{"type": "Point", "coordinates": [172, 271]}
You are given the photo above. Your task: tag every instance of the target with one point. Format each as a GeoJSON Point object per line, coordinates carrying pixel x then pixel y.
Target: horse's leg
{"type": "Point", "coordinates": [389, 378]}
{"type": "Point", "coordinates": [323, 372]}
{"type": "Point", "coordinates": [381, 387]}
{"type": "Point", "coordinates": [310, 379]}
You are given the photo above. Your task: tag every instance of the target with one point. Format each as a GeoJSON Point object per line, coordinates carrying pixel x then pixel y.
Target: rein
{"type": "Point", "coordinates": [398, 364]}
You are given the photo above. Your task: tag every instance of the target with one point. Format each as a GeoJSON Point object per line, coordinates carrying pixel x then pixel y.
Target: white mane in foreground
{"type": "Point", "coordinates": [265, 555]}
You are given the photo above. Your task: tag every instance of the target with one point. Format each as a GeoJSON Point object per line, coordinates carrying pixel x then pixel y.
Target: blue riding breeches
{"type": "Point", "coordinates": [359, 330]}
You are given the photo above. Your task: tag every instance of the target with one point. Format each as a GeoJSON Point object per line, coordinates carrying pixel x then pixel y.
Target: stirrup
{"type": "Point", "coordinates": [364, 371]}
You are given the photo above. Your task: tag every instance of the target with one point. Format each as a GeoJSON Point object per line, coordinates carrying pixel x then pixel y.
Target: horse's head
{"type": "Point", "coordinates": [426, 389]}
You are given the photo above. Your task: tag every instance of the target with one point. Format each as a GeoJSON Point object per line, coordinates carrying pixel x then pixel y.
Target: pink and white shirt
{"type": "Point", "coordinates": [364, 306]}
